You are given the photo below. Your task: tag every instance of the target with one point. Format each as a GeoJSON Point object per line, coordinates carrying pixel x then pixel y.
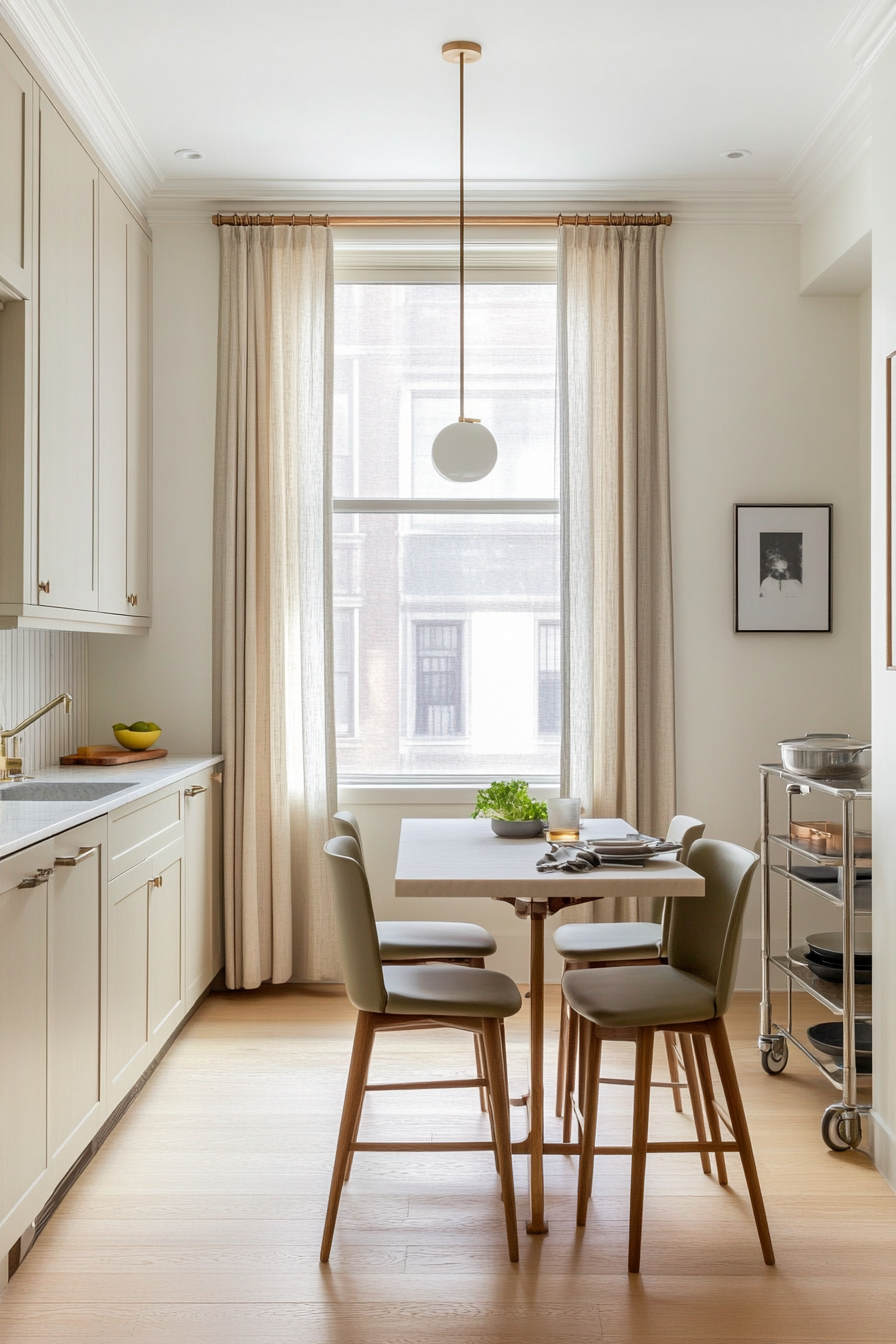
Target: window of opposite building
{"type": "Point", "coordinates": [447, 609]}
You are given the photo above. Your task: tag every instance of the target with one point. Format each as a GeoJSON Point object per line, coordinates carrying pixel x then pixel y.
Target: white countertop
{"type": "Point", "coordinates": [464, 857]}
{"type": "Point", "coordinates": [25, 823]}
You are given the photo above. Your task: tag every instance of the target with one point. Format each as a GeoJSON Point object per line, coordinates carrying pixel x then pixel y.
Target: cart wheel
{"type": "Point", "coordinates": [839, 1133]}
{"type": "Point", "coordinates": [774, 1060]}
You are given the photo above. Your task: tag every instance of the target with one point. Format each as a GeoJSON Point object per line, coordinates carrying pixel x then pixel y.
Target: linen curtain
{"type": "Point", "coordinates": [618, 741]}
{"type": "Point", "coordinates": [273, 680]}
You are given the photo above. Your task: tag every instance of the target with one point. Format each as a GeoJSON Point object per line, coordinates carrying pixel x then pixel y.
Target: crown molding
{"type": "Point", "coordinates": [700, 201]}
{"type": "Point", "coordinates": [50, 37]}
{"type": "Point", "coordinates": [836, 146]}
{"type": "Point", "coordinates": [866, 30]}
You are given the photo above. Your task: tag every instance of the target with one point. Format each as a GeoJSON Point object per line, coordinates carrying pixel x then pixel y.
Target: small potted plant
{"type": "Point", "coordinates": [514, 815]}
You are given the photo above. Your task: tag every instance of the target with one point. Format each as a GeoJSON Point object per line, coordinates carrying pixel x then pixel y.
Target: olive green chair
{"type": "Point", "coordinates": [408, 940]}
{"type": "Point", "coordinates": [410, 997]}
{"type": "Point", "coordinates": [596, 945]}
{"type": "Point", "coordinates": [689, 995]}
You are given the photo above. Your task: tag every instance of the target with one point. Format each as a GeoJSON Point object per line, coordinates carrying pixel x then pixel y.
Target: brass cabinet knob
{"type": "Point", "coordinates": [132, 599]}
{"type": "Point", "coordinates": [44, 587]}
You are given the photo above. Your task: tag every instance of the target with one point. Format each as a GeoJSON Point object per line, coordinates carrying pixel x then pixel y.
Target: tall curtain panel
{"type": "Point", "coordinates": [273, 678]}
{"type": "Point", "coordinates": [618, 745]}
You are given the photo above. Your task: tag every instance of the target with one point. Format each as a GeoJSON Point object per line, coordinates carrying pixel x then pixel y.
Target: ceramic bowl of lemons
{"type": "Point", "coordinates": [139, 736]}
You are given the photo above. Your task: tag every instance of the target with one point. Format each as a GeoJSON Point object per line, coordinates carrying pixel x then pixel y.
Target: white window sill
{"type": "Point", "coordinates": [426, 792]}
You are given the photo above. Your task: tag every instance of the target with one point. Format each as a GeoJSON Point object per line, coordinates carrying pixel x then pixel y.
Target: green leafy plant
{"type": "Point", "coordinates": [508, 800]}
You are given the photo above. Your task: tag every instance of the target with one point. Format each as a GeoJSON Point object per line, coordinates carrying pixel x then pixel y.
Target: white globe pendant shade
{"type": "Point", "coordinates": [464, 451]}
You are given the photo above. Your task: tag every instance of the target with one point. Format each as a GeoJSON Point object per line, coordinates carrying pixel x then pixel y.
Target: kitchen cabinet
{"type": "Point", "coordinates": [25, 880]}
{"type": "Point", "coordinates": [67, 343]}
{"type": "Point", "coordinates": [125, 262]}
{"type": "Point", "coordinates": [16, 174]}
{"type": "Point", "coordinates": [202, 882]}
{"type": "Point", "coordinates": [74, 1019]}
{"type": "Point", "coordinates": [75, 379]}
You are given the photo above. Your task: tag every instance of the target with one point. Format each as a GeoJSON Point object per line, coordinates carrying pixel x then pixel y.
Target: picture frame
{"type": "Point", "coordinates": [782, 568]}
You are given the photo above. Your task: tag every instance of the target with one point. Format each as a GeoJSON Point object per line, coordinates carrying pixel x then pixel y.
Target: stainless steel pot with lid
{"type": "Point", "coordinates": [824, 756]}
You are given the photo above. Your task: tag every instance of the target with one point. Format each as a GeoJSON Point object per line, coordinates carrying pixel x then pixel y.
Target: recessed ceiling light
{"type": "Point", "coordinates": [737, 154]}
{"type": "Point", "coordinates": [188, 154]}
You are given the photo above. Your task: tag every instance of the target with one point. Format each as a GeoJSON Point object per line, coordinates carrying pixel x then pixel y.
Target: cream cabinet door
{"type": "Point", "coordinates": [128, 977]}
{"type": "Point", "coordinates": [124, 408]}
{"type": "Point", "coordinates": [74, 1028]}
{"type": "Point", "coordinates": [25, 884]}
{"type": "Point", "coordinates": [16, 173]}
{"type": "Point", "coordinates": [67, 439]}
{"type": "Point", "coordinates": [202, 882]}
{"type": "Point", "coordinates": [166, 942]}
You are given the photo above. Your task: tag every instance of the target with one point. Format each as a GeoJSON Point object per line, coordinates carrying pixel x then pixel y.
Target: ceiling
{"type": "Point", "coordinates": [581, 90]}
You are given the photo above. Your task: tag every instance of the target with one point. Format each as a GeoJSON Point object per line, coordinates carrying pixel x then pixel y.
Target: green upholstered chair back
{"type": "Point", "coordinates": [347, 824]}
{"type": "Point", "coordinates": [704, 935]}
{"type": "Point", "coordinates": [682, 831]}
{"type": "Point", "coordinates": [359, 947]}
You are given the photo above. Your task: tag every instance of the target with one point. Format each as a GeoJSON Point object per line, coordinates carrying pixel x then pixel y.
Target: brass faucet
{"type": "Point", "coordinates": [11, 766]}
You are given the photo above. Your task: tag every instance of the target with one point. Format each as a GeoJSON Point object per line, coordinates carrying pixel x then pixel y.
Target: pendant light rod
{"type": "Point", "coordinates": [461, 65]}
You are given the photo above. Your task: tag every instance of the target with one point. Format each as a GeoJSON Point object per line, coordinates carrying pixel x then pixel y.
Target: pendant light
{"type": "Point", "coordinates": [464, 450]}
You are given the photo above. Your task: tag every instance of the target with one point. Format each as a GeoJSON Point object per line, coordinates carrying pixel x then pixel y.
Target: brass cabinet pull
{"type": "Point", "coordinates": [44, 587]}
{"type": "Point", "coordinates": [40, 877]}
{"type": "Point", "coordinates": [132, 600]}
{"type": "Point", "coordinates": [218, 777]}
{"type": "Point", "coordinates": [156, 881]}
{"type": "Point", "coordinates": [82, 854]}
{"type": "Point", "coordinates": [197, 788]}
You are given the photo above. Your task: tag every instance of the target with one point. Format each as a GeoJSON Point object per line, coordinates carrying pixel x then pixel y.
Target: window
{"type": "Point", "coordinates": [449, 587]}
{"type": "Point", "coordinates": [438, 679]}
{"type": "Point", "coordinates": [549, 706]}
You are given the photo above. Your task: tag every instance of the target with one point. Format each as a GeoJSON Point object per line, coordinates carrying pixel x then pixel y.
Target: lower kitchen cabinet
{"type": "Point", "coordinates": [202, 872]}
{"type": "Point", "coordinates": [74, 998]}
{"type": "Point", "coordinates": [24, 881]}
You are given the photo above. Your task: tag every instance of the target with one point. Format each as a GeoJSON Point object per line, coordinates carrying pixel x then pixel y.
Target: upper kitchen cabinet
{"type": "Point", "coordinates": [68, 479]}
{"type": "Point", "coordinates": [16, 175]}
{"type": "Point", "coordinates": [75, 373]}
{"type": "Point", "coordinates": [125, 275]}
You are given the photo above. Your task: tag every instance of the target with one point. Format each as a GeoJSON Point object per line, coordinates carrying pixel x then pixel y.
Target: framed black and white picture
{"type": "Point", "coordinates": [782, 567]}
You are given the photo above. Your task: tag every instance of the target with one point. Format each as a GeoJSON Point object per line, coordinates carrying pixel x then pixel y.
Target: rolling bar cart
{"type": "Point", "coordinates": [841, 1125]}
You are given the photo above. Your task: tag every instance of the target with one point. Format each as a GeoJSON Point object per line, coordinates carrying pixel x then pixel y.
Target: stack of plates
{"type": "Point", "coordinates": [828, 1037]}
{"type": "Point", "coordinates": [634, 849]}
{"type": "Point", "coordinates": [825, 956]}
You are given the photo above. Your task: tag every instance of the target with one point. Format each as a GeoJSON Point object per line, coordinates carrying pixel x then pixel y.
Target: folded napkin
{"type": "Point", "coordinates": [568, 859]}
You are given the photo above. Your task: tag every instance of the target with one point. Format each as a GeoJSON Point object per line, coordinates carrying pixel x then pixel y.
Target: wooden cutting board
{"type": "Point", "coordinates": [112, 755]}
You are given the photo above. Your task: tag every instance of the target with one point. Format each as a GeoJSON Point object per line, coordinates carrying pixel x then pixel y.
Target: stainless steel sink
{"type": "Point", "coordinates": [50, 792]}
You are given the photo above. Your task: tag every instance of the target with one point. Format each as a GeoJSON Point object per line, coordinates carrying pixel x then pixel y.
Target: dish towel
{"type": "Point", "coordinates": [568, 859]}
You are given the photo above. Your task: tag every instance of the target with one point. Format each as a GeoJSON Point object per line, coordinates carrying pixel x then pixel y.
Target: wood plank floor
{"type": "Point", "coordinates": [200, 1218]}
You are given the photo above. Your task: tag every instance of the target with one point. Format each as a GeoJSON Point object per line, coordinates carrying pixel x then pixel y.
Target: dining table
{"type": "Point", "coordinates": [463, 857]}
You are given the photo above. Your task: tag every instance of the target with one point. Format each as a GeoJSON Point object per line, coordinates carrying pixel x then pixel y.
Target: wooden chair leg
{"type": "Point", "coordinates": [690, 1073]}
{"type": "Point", "coordinates": [669, 1039]}
{"type": "Point", "coordinates": [348, 1125]}
{"type": "Point", "coordinates": [500, 1107]}
{"type": "Point", "coordinates": [562, 1047]}
{"type": "Point", "coordinates": [590, 1045]}
{"type": "Point", "coordinates": [725, 1063]}
{"type": "Point", "coordinates": [715, 1128]}
{"type": "Point", "coordinates": [643, 1069]}
{"type": "Point", "coordinates": [480, 1070]}
{"type": "Point", "coordinates": [567, 1066]}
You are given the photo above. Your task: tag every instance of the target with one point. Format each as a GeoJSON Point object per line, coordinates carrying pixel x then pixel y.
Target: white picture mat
{"type": "Point", "coordinates": [809, 609]}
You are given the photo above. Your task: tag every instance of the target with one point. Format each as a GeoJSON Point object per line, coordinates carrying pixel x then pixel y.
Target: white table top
{"type": "Point", "coordinates": [464, 857]}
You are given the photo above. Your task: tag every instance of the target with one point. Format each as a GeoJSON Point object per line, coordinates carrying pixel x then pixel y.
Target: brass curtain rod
{"type": "Point", "coordinates": [439, 221]}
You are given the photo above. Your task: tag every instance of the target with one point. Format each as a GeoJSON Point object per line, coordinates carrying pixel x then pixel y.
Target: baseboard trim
{"type": "Point", "coordinates": [883, 1148]}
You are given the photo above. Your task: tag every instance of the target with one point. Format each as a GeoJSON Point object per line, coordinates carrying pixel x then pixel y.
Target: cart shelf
{"type": "Point", "coordinates": [827, 993]}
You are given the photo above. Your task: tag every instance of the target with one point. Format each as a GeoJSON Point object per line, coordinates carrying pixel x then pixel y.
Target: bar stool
{"type": "Point", "coordinates": [597, 945]}
{"type": "Point", "coordinates": [690, 996]}
{"type": "Point", "coordinates": [408, 941]}
{"type": "Point", "coordinates": [412, 997]}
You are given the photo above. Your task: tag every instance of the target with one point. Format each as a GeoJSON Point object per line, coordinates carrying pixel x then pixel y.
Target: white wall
{"type": "Point", "coordinates": [883, 680]}
{"type": "Point", "coordinates": [835, 241]}
{"type": "Point", "coordinates": [167, 677]}
{"type": "Point", "coordinates": [765, 404]}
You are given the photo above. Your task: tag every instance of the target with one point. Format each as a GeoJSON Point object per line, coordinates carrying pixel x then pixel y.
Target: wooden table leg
{"type": "Point", "coordinates": [536, 1225]}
